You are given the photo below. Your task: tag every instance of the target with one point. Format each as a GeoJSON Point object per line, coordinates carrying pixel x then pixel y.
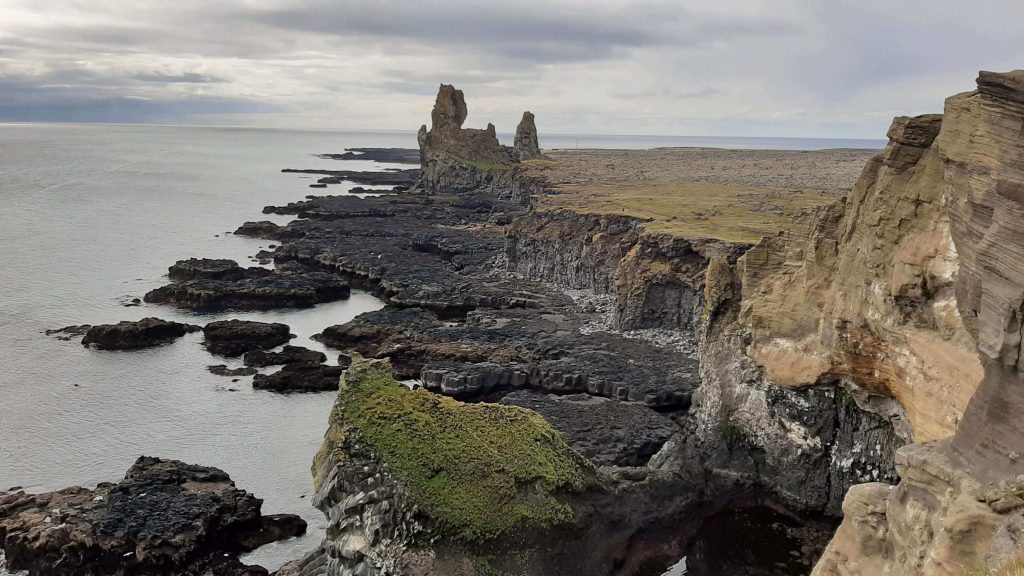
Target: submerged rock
{"type": "Point", "coordinates": [164, 518]}
{"type": "Point", "coordinates": [128, 335]}
{"type": "Point", "coordinates": [222, 370]}
{"type": "Point", "coordinates": [68, 332]}
{"type": "Point", "coordinates": [236, 337]}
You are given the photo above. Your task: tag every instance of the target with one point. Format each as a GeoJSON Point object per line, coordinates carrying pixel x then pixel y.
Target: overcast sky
{"type": "Point", "coordinates": [814, 68]}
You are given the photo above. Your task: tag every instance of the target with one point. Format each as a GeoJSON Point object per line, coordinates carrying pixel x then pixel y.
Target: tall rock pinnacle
{"type": "Point", "coordinates": [526, 143]}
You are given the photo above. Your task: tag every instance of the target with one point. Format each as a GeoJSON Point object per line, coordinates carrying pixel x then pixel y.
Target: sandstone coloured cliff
{"type": "Point", "coordinates": [959, 504]}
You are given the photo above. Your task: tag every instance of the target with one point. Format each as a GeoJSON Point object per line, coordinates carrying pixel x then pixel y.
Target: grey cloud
{"type": "Point", "coordinates": [544, 32]}
{"type": "Point", "coordinates": [185, 77]}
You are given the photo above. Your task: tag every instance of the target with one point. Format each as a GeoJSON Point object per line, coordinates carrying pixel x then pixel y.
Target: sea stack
{"type": "Point", "coordinates": [527, 143]}
{"type": "Point", "coordinates": [457, 159]}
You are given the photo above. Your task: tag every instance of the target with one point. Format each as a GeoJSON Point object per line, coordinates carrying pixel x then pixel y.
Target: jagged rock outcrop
{"type": "Point", "coordinates": [526, 143]}
{"type": "Point", "coordinates": [127, 335]}
{"type": "Point", "coordinates": [958, 506]}
{"type": "Point", "coordinates": [164, 518]}
{"type": "Point", "coordinates": [457, 159]}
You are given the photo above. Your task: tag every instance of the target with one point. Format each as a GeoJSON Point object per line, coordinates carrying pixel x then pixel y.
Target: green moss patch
{"type": "Point", "coordinates": [479, 470]}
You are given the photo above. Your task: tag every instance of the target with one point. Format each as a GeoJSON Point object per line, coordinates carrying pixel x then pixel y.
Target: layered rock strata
{"type": "Point", "coordinates": [958, 505]}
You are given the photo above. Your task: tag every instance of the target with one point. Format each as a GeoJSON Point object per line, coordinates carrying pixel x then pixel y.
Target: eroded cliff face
{"type": "Point", "coordinates": [864, 292]}
{"type": "Point", "coordinates": [958, 505]}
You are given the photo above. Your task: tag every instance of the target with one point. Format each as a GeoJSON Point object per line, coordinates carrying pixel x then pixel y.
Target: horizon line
{"type": "Point", "coordinates": [413, 131]}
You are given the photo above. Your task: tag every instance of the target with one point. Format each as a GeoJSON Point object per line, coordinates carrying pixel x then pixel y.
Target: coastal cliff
{"type": "Point", "coordinates": [958, 505]}
{"type": "Point", "coordinates": [785, 344]}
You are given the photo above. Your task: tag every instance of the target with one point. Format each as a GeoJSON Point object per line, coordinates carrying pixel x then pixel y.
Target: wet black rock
{"type": "Point", "coordinates": [288, 355]}
{"type": "Point", "coordinates": [212, 269]}
{"type": "Point", "coordinates": [222, 370]}
{"type": "Point", "coordinates": [389, 155]}
{"type": "Point", "coordinates": [390, 177]}
{"type": "Point", "coordinates": [263, 291]}
{"type": "Point", "coordinates": [164, 518]}
{"type": "Point", "coordinates": [236, 337]}
{"type": "Point", "coordinates": [128, 335]}
{"type": "Point", "coordinates": [262, 229]}
{"type": "Point", "coordinates": [300, 377]}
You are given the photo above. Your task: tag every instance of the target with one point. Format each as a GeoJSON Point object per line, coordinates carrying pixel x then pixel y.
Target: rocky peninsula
{"type": "Point", "coordinates": [607, 352]}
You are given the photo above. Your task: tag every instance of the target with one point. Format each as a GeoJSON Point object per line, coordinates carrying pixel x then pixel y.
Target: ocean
{"type": "Point", "coordinates": [92, 216]}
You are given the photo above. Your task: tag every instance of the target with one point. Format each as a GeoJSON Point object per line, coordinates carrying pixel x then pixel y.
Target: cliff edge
{"type": "Point", "coordinates": [959, 503]}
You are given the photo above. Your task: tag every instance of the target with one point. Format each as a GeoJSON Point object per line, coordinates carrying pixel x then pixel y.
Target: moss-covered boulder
{"type": "Point", "coordinates": [477, 471]}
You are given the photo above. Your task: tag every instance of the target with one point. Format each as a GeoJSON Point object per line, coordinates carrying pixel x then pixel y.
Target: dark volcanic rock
{"type": "Point", "coordinates": [391, 177]}
{"type": "Point", "coordinates": [211, 269]}
{"type": "Point", "coordinates": [504, 349]}
{"type": "Point", "coordinates": [127, 335]}
{"type": "Point", "coordinates": [68, 332]}
{"type": "Point", "coordinates": [288, 355]}
{"type": "Point", "coordinates": [262, 229]}
{"type": "Point", "coordinates": [164, 518]}
{"type": "Point", "coordinates": [222, 370]}
{"type": "Point", "coordinates": [235, 337]}
{"type": "Point", "coordinates": [300, 377]}
{"type": "Point", "coordinates": [526, 143]}
{"type": "Point", "coordinates": [276, 289]}
{"type": "Point", "coordinates": [389, 155]}
{"type": "Point", "coordinates": [609, 432]}
{"type": "Point", "coordinates": [454, 159]}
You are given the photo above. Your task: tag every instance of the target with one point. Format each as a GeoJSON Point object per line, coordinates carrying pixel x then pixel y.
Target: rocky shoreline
{"type": "Point", "coordinates": [655, 367]}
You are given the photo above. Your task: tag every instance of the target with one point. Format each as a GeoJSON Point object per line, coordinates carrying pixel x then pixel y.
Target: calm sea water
{"type": "Point", "coordinates": [94, 214]}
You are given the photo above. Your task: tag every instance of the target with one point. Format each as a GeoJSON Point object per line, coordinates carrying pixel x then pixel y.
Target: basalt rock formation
{"type": "Point", "coordinates": [236, 337]}
{"type": "Point", "coordinates": [128, 335]}
{"type": "Point", "coordinates": [455, 159]}
{"type": "Point", "coordinates": [223, 284]}
{"type": "Point", "coordinates": [164, 518]}
{"type": "Point", "coordinates": [958, 506]}
{"type": "Point", "coordinates": [300, 377]}
{"type": "Point", "coordinates": [527, 144]}
{"type": "Point", "coordinates": [417, 484]}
